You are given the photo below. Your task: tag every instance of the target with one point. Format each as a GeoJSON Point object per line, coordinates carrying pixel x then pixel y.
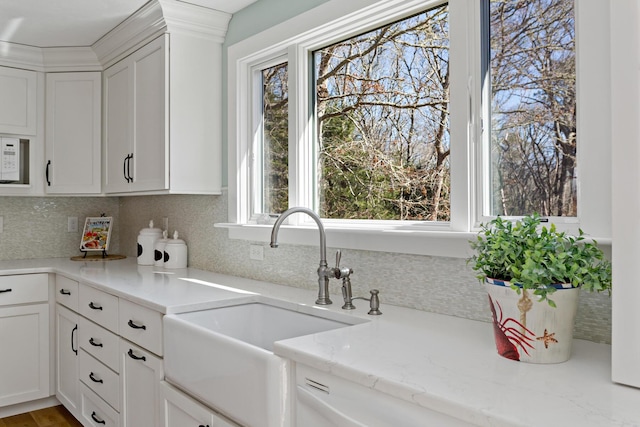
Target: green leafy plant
{"type": "Point", "coordinates": [532, 256]}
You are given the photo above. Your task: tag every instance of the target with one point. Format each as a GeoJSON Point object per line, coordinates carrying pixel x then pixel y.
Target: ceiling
{"type": "Point", "coordinates": [65, 23]}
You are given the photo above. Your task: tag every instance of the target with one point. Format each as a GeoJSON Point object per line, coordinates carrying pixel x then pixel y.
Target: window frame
{"type": "Point", "coordinates": [336, 20]}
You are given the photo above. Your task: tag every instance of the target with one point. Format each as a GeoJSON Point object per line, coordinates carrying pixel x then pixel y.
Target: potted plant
{"type": "Point", "coordinates": [533, 274]}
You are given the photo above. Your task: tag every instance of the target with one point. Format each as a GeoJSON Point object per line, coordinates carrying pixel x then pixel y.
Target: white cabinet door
{"type": "Point", "coordinates": [136, 149]}
{"type": "Point", "coordinates": [18, 101]}
{"type": "Point", "coordinates": [24, 353]}
{"type": "Point", "coordinates": [73, 133]}
{"type": "Point", "coordinates": [179, 410]}
{"type": "Point", "coordinates": [140, 373]}
{"type": "Point", "coordinates": [67, 358]}
{"type": "Point", "coordinates": [118, 127]}
{"type": "Point", "coordinates": [150, 151]}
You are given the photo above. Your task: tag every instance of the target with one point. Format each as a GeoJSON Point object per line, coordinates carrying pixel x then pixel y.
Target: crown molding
{"type": "Point", "coordinates": [156, 18]}
{"type": "Point", "coordinates": [21, 56]}
{"type": "Point", "coordinates": [59, 59]}
{"type": "Point", "coordinates": [150, 21]}
{"type": "Point", "coordinates": [194, 20]}
{"type": "Point", "coordinates": [142, 26]}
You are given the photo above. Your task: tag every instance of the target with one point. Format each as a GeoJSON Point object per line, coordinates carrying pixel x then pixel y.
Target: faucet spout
{"type": "Point", "coordinates": [324, 272]}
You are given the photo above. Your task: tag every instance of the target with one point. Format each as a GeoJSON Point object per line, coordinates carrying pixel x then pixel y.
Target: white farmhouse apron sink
{"type": "Point", "coordinates": [223, 356]}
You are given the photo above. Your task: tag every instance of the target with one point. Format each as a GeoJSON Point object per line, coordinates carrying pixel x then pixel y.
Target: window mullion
{"type": "Point", "coordinates": [464, 104]}
{"type": "Point", "coordinates": [300, 131]}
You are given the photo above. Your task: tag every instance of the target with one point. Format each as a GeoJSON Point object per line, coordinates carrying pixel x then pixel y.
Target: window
{"type": "Point", "coordinates": [381, 117]}
{"type": "Point", "coordinates": [404, 136]}
{"type": "Point", "coordinates": [272, 155]}
{"type": "Point", "coordinates": [532, 130]}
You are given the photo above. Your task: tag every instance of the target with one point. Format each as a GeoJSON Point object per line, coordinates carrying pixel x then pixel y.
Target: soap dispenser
{"type": "Point", "coordinates": [146, 241]}
{"type": "Point", "coordinates": [175, 253]}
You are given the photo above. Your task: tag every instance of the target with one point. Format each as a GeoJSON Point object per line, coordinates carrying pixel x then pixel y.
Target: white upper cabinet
{"type": "Point", "coordinates": [18, 107]}
{"type": "Point", "coordinates": [135, 149]}
{"type": "Point", "coordinates": [162, 130]}
{"type": "Point", "coordinates": [73, 133]}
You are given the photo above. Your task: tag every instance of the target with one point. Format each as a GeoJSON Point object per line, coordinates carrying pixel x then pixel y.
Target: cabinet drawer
{"type": "Point", "coordinates": [141, 325]}
{"type": "Point", "coordinates": [23, 289]}
{"type": "Point", "coordinates": [67, 292]}
{"type": "Point", "coordinates": [99, 307]}
{"type": "Point", "coordinates": [99, 342]}
{"type": "Point", "coordinates": [102, 380]}
{"type": "Point", "coordinates": [95, 412]}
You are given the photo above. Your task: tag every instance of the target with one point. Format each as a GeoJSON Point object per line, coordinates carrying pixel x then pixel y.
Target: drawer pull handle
{"type": "Point", "coordinates": [202, 425]}
{"type": "Point", "coordinates": [134, 326]}
{"type": "Point", "coordinates": [94, 379]}
{"type": "Point", "coordinates": [2, 291]}
{"type": "Point", "coordinates": [96, 419]}
{"type": "Point", "coordinates": [73, 331]}
{"type": "Point", "coordinates": [95, 344]}
{"type": "Point", "coordinates": [134, 357]}
{"type": "Point", "coordinates": [65, 292]}
{"type": "Point", "coordinates": [95, 307]}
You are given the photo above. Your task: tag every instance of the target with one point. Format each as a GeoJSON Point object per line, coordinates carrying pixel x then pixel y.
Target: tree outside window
{"type": "Point", "coordinates": [382, 115]}
{"type": "Point", "coordinates": [533, 137]}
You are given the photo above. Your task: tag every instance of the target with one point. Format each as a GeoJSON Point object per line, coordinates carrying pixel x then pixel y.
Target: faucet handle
{"type": "Point", "coordinates": [340, 273]}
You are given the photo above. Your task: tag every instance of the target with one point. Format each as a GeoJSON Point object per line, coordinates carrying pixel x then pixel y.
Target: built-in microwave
{"type": "Point", "coordinates": [9, 159]}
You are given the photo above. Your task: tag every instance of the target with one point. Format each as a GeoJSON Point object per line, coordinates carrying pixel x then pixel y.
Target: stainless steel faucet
{"type": "Point", "coordinates": [324, 272]}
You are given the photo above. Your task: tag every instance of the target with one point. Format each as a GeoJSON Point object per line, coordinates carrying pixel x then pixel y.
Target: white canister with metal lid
{"type": "Point", "coordinates": [158, 252]}
{"type": "Point", "coordinates": [175, 253]}
{"type": "Point", "coordinates": [146, 242]}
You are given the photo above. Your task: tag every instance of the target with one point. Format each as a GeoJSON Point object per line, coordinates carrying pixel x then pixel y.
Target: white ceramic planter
{"type": "Point", "coordinates": [529, 330]}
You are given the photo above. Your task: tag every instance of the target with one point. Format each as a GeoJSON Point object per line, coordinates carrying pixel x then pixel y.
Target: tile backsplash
{"type": "Point", "coordinates": [36, 227]}
{"type": "Point", "coordinates": [435, 284]}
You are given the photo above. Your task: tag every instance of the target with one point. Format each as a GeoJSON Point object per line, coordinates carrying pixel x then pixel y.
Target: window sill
{"type": "Point", "coordinates": [403, 240]}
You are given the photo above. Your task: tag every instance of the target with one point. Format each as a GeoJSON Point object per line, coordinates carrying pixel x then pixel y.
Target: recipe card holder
{"type": "Point", "coordinates": [95, 239]}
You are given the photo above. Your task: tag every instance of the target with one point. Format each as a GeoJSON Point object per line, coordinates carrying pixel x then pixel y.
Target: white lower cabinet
{"type": "Point", "coordinates": [140, 375]}
{"type": "Point", "coordinates": [179, 410]}
{"type": "Point", "coordinates": [24, 343]}
{"type": "Point", "coordinates": [67, 358]}
{"type": "Point", "coordinates": [103, 378]}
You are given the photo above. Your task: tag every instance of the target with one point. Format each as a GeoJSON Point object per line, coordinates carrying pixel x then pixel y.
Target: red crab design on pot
{"type": "Point", "coordinates": [508, 338]}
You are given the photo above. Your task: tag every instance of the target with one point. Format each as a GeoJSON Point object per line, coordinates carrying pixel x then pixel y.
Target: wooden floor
{"type": "Point", "coordinates": [56, 416]}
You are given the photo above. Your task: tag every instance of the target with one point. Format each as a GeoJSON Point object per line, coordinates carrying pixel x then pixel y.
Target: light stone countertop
{"type": "Point", "coordinates": [436, 361]}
